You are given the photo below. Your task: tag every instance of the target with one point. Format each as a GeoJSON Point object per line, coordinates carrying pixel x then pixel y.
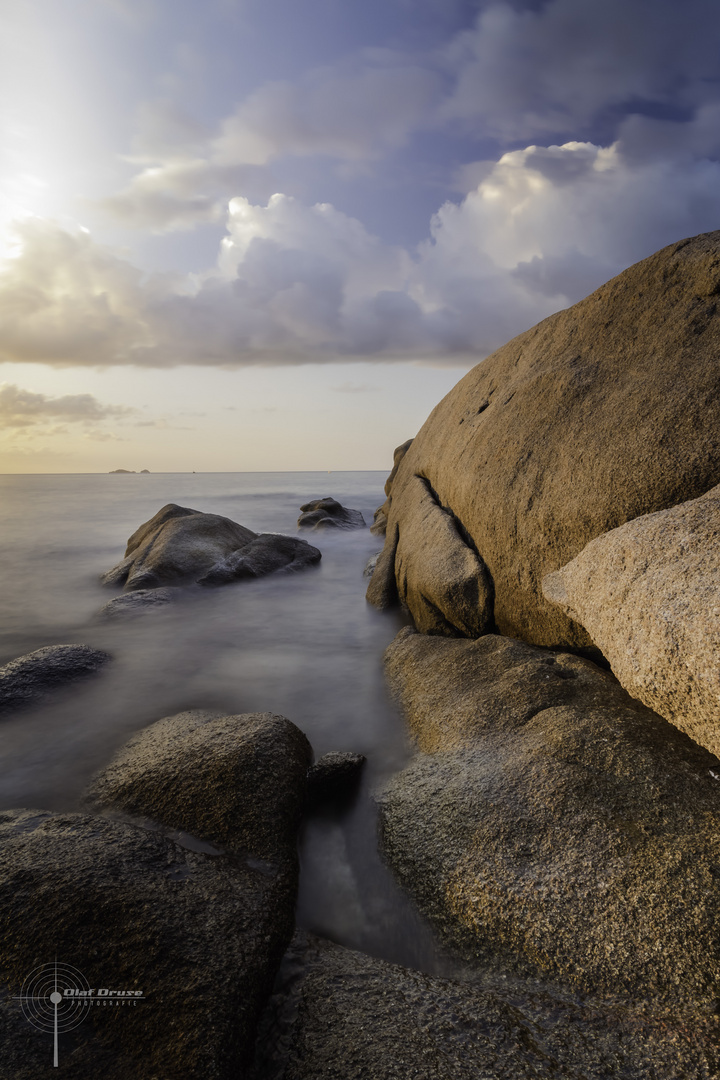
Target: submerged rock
{"type": "Point", "coordinates": [337, 1013]}
{"type": "Point", "coordinates": [329, 514]}
{"type": "Point", "coordinates": [135, 603]}
{"type": "Point", "coordinates": [558, 828]}
{"type": "Point", "coordinates": [179, 546]}
{"type": "Point", "coordinates": [598, 414]}
{"type": "Point", "coordinates": [36, 676]}
{"type": "Point", "coordinates": [648, 594]}
{"type": "Point", "coordinates": [199, 934]}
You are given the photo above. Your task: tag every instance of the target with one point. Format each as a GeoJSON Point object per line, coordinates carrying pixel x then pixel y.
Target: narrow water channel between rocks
{"type": "Point", "coordinates": [305, 645]}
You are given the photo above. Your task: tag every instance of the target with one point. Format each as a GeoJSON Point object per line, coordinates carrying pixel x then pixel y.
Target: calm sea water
{"type": "Point", "coordinates": [305, 645]}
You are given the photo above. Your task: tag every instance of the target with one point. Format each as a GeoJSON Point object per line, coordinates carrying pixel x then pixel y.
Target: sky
{"type": "Point", "coordinates": [264, 235]}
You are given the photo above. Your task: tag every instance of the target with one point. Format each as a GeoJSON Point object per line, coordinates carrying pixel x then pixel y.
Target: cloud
{"type": "Point", "coordinates": [631, 70]}
{"type": "Point", "coordinates": [24, 408]}
{"type": "Point", "coordinates": [348, 111]}
{"type": "Point", "coordinates": [557, 68]}
{"type": "Point", "coordinates": [296, 283]}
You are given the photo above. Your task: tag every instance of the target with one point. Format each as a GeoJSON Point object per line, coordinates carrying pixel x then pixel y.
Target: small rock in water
{"type": "Point", "coordinates": [334, 776]}
{"type": "Point", "coordinates": [136, 602]}
{"type": "Point", "coordinates": [30, 678]}
{"type": "Point", "coordinates": [329, 514]}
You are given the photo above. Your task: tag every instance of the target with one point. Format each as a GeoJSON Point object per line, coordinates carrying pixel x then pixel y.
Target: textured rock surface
{"type": "Point", "coordinates": [200, 934]}
{"type": "Point", "coordinates": [181, 546]}
{"type": "Point", "coordinates": [236, 781]}
{"type": "Point", "coordinates": [32, 678]}
{"type": "Point", "coordinates": [329, 514]}
{"type": "Point", "coordinates": [597, 415]}
{"type": "Point", "coordinates": [177, 545]}
{"type": "Point", "coordinates": [648, 594]}
{"type": "Point", "coordinates": [444, 582]}
{"type": "Point", "coordinates": [454, 692]}
{"type": "Point", "coordinates": [270, 553]}
{"type": "Point", "coordinates": [342, 1015]}
{"type": "Point", "coordinates": [582, 845]}
{"type": "Point", "coordinates": [134, 603]}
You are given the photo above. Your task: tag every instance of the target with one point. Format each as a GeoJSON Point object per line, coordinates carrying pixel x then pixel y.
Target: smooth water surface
{"type": "Point", "coordinates": [305, 645]}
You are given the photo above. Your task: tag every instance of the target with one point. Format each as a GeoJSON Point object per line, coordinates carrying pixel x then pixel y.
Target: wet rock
{"type": "Point", "coordinates": [135, 603]}
{"type": "Point", "coordinates": [235, 781]}
{"type": "Point", "coordinates": [329, 514]}
{"type": "Point", "coordinates": [270, 553]}
{"type": "Point", "coordinates": [335, 775]}
{"type": "Point", "coordinates": [597, 415]}
{"type": "Point", "coordinates": [371, 564]}
{"type": "Point", "coordinates": [177, 545]}
{"type": "Point", "coordinates": [648, 594]}
{"type": "Point", "coordinates": [36, 676]}
{"type": "Point", "coordinates": [340, 1014]}
{"type": "Point", "coordinates": [180, 546]}
{"type": "Point", "coordinates": [200, 934]}
{"type": "Point", "coordinates": [556, 833]}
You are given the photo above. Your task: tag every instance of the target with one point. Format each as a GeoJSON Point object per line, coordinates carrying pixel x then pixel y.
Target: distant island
{"type": "Point", "coordinates": [128, 471]}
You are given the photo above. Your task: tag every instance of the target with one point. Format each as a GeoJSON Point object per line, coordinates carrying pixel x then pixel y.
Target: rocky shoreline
{"type": "Point", "coordinates": [550, 532]}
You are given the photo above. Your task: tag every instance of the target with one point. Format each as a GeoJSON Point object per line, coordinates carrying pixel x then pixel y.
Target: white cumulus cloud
{"type": "Point", "coordinates": [296, 283]}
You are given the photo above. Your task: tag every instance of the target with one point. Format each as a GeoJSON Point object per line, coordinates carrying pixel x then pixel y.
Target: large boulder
{"type": "Point", "coordinates": [648, 593]}
{"type": "Point", "coordinates": [559, 828]}
{"type": "Point", "coordinates": [600, 413]}
{"type": "Point", "coordinates": [452, 693]}
{"type": "Point", "coordinates": [181, 546]}
{"type": "Point", "coordinates": [36, 676]}
{"type": "Point", "coordinates": [200, 933]}
{"type": "Point", "coordinates": [328, 513]}
{"type": "Point", "coordinates": [236, 781]}
{"type": "Point", "coordinates": [343, 1015]}
{"type": "Point", "coordinates": [191, 901]}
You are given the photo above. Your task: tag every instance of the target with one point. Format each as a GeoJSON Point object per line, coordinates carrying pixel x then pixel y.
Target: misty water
{"type": "Point", "coordinates": [305, 645]}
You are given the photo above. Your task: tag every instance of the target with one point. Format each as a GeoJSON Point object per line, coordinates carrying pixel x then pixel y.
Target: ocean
{"type": "Point", "coordinates": [305, 645]}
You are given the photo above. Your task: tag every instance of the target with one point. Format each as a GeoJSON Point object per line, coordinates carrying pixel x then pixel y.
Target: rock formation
{"type": "Point", "coordinates": [556, 827]}
{"type": "Point", "coordinates": [648, 593]}
{"type": "Point", "coordinates": [600, 413]}
{"type": "Point", "coordinates": [235, 781]}
{"type": "Point", "coordinates": [198, 918]}
{"type": "Point", "coordinates": [36, 676]}
{"type": "Point", "coordinates": [181, 546]}
{"type": "Point", "coordinates": [329, 514]}
{"type": "Point", "coordinates": [338, 1013]}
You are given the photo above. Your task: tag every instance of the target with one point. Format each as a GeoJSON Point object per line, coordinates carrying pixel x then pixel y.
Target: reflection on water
{"type": "Point", "coordinates": [304, 645]}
